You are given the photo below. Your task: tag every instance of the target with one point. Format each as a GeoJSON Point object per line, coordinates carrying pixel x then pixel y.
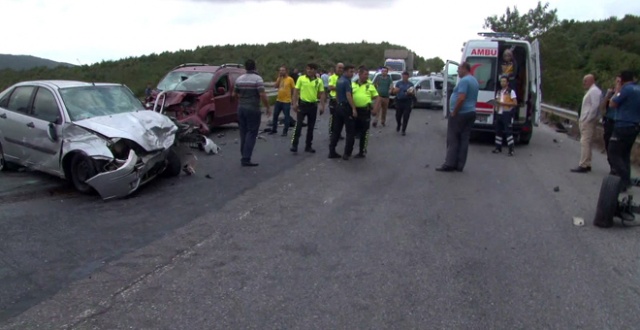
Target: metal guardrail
{"type": "Point", "coordinates": [560, 112]}
{"type": "Point", "coordinates": [569, 115]}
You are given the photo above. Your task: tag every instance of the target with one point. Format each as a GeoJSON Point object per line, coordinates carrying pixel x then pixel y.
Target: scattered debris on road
{"type": "Point", "coordinates": [555, 141]}
{"type": "Point", "coordinates": [221, 135]}
{"type": "Point", "coordinates": [578, 221]}
{"type": "Point", "coordinates": [208, 176]}
{"type": "Point", "coordinates": [561, 129]}
{"type": "Point", "coordinates": [260, 137]}
{"type": "Point", "coordinates": [556, 189]}
{"type": "Point", "coordinates": [426, 166]}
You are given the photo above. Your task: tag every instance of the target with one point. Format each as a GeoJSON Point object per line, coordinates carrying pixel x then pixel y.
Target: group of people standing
{"type": "Point", "coordinates": [619, 107]}
{"type": "Point", "coordinates": [352, 104]}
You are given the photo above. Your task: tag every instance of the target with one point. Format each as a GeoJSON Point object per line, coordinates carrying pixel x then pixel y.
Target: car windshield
{"type": "Point", "coordinates": [95, 101]}
{"type": "Point", "coordinates": [414, 80]}
{"type": "Point", "coordinates": [186, 81]}
{"type": "Point", "coordinates": [394, 65]}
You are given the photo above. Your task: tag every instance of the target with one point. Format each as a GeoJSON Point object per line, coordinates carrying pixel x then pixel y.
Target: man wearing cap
{"type": "Point", "coordinates": [404, 102]}
{"type": "Point", "coordinates": [309, 88]}
{"type": "Point", "coordinates": [345, 115]}
{"type": "Point", "coordinates": [364, 94]}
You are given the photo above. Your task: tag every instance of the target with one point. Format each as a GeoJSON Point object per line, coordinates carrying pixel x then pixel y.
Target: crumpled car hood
{"type": "Point", "coordinates": [149, 129]}
{"type": "Point", "coordinates": [173, 98]}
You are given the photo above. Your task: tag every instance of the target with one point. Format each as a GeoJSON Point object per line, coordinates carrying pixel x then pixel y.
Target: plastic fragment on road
{"type": "Point", "coordinates": [556, 189]}
{"type": "Point", "coordinates": [210, 147]}
{"type": "Point", "coordinates": [260, 137]}
{"type": "Point", "coordinates": [577, 221]}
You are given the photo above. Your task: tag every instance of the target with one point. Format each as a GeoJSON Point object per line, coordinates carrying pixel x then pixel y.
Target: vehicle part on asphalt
{"type": "Point", "coordinates": [578, 221]}
{"type": "Point", "coordinates": [607, 201]}
{"type": "Point", "coordinates": [556, 189]}
{"type": "Point", "coordinates": [609, 206]}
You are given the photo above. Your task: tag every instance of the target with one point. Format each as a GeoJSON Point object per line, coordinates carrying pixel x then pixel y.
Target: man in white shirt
{"type": "Point", "coordinates": [588, 121]}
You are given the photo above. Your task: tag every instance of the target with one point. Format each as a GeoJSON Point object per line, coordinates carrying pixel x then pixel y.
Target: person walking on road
{"type": "Point", "coordinates": [345, 115]}
{"type": "Point", "coordinates": [285, 86]}
{"type": "Point", "coordinates": [627, 125]}
{"type": "Point", "coordinates": [249, 91]}
{"type": "Point", "coordinates": [505, 108]}
{"type": "Point", "coordinates": [325, 79]}
{"type": "Point", "coordinates": [364, 94]}
{"type": "Point", "coordinates": [608, 113]}
{"type": "Point", "coordinates": [462, 115]}
{"type": "Point", "coordinates": [309, 89]}
{"type": "Point", "coordinates": [588, 120]}
{"type": "Point", "coordinates": [384, 86]}
{"type": "Point", "coordinates": [333, 81]}
{"type": "Point", "coordinates": [404, 101]}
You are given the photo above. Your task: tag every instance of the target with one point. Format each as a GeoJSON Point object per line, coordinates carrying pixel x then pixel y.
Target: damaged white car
{"type": "Point", "coordinates": [98, 136]}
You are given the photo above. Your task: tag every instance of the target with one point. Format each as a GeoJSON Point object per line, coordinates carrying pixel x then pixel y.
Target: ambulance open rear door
{"type": "Point", "coordinates": [535, 80]}
{"type": "Point", "coordinates": [450, 81]}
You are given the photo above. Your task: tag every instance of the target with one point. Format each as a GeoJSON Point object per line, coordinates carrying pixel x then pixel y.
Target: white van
{"type": "Point", "coordinates": [484, 57]}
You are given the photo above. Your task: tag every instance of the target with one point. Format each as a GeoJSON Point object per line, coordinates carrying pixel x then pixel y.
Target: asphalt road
{"type": "Point", "coordinates": [305, 242]}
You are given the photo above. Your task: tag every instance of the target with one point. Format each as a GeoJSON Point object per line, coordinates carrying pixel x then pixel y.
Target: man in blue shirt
{"type": "Point", "coordinates": [608, 119]}
{"type": "Point", "coordinates": [627, 125]}
{"type": "Point", "coordinates": [345, 114]}
{"type": "Point", "coordinates": [404, 91]}
{"type": "Point", "coordinates": [462, 115]}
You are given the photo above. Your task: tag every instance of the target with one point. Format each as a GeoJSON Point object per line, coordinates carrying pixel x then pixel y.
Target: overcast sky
{"type": "Point", "coordinates": [88, 31]}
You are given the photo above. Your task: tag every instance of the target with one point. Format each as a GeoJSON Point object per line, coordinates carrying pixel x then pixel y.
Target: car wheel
{"type": "Point", "coordinates": [607, 201]}
{"type": "Point", "coordinates": [174, 166]}
{"type": "Point", "coordinates": [82, 169]}
{"type": "Point", "coordinates": [3, 162]}
{"type": "Point", "coordinates": [209, 120]}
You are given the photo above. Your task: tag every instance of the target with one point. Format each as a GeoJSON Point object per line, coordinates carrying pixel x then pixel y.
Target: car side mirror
{"type": "Point", "coordinates": [418, 87]}
{"type": "Point", "coordinates": [52, 132]}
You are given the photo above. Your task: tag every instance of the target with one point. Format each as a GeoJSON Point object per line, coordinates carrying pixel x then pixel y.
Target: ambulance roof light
{"type": "Point", "coordinates": [499, 35]}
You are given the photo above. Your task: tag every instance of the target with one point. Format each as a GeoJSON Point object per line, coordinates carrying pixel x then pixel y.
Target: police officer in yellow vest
{"type": "Point", "coordinates": [505, 110]}
{"type": "Point", "coordinates": [309, 88]}
{"type": "Point", "coordinates": [333, 80]}
{"type": "Point", "coordinates": [364, 96]}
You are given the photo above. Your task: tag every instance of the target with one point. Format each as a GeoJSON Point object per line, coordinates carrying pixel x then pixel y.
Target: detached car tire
{"type": "Point", "coordinates": [3, 161]}
{"type": "Point", "coordinates": [174, 166]}
{"type": "Point", "coordinates": [607, 201]}
{"type": "Point", "coordinates": [82, 169]}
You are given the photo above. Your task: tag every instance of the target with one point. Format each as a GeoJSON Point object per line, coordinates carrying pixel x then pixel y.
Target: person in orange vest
{"type": "Point", "coordinates": [505, 110]}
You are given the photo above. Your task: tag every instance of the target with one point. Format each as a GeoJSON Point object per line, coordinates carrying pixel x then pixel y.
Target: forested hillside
{"type": "Point", "coordinates": [24, 62]}
{"type": "Point", "coordinates": [136, 72]}
{"type": "Point", "coordinates": [573, 49]}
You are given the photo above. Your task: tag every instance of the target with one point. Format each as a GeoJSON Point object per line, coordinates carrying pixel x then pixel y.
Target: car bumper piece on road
{"type": "Point", "coordinates": [126, 179]}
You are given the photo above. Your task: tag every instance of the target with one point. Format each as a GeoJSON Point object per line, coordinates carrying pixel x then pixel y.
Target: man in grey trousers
{"type": "Point", "coordinates": [462, 115]}
{"type": "Point", "coordinates": [249, 90]}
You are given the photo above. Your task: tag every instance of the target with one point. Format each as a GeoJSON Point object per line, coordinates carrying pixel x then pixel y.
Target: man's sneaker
{"type": "Point", "coordinates": [581, 169]}
{"type": "Point", "coordinates": [496, 151]}
{"type": "Point", "coordinates": [309, 150]}
{"type": "Point", "coordinates": [511, 153]}
{"type": "Point", "coordinates": [294, 149]}
{"type": "Point", "coordinates": [345, 157]}
{"type": "Point", "coordinates": [375, 124]}
{"type": "Point", "coordinates": [360, 155]}
{"type": "Point", "coordinates": [272, 132]}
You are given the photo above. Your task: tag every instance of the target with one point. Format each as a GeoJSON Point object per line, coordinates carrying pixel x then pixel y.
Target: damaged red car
{"type": "Point", "coordinates": [198, 94]}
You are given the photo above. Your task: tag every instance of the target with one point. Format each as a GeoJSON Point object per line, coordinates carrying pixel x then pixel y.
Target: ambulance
{"type": "Point", "coordinates": [485, 57]}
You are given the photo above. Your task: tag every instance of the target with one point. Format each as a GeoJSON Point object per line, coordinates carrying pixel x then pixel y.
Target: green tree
{"type": "Point", "coordinates": [435, 64]}
{"type": "Point", "coordinates": [529, 25]}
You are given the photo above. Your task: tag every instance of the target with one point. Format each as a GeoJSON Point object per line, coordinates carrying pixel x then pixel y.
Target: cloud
{"type": "Point", "coordinates": [352, 3]}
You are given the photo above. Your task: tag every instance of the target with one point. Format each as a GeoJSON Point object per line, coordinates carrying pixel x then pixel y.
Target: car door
{"type": "Point", "coordinates": [423, 93]}
{"type": "Point", "coordinates": [44, 128]}
{"type": "Point", "coordinates": [450, 80]}
{"type": "Point", "coordinates": [13, 125]}
{"type": "Point", "coordinates": [536, 82]}
{"type": "Point", "coordinates": [222, 100]}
